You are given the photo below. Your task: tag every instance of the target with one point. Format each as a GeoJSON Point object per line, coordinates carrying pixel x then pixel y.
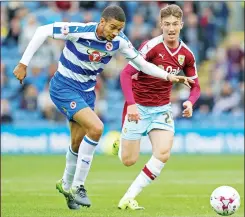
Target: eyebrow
{"type": "Point", "coordinates": [169, 22]}
{"type": "Point", "coordinates": [113, 25]}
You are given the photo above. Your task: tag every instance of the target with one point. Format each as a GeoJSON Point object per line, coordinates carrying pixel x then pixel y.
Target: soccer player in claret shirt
{"type": "Point", "coordinates": [148, 108]}
{"type": "Point", "coordinates": [89, 47]}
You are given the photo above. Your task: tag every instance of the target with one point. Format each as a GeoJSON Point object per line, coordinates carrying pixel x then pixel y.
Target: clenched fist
{"type": "Point", "coordinates": [20, 72]}
{"type": "Point", "coordinates": [187, 109]}
{"type": "Point", "coordinates": [133, 113]}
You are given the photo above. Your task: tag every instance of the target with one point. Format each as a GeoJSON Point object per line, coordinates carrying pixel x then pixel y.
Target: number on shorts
{"type": "Point", "coordinates": [168, 117]}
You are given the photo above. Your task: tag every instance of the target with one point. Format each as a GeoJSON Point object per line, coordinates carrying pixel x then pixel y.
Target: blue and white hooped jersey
{"type": "Point", "coordinates": [85, 55]}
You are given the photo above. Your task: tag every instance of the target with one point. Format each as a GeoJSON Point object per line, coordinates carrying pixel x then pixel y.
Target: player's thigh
{"type": "Point", "coordinates": [130, 147]}
{"type": "Point", "coordinates": [132, 130]}
{"type": "Point", "coordinates": [130, 151]}
{"type": "Point", "coordinates": [130, 138]}
{"type": "Point", "coordinates": [77, 134]}
{"type": "Point", "coordinates": [162, 118]}
{"type": "Point", "coordinates": [162, 141]}
{"type": "Point", "coordinates": [89, 120]}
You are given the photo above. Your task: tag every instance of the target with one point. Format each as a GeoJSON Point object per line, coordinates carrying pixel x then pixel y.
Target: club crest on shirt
{"type": "Point", "coordinates": [181, 59]}
{"type": "Point", "coordinates": [125, 130]}
{"type": "Point", "coordinates": [109, 46]}
{"type": "Point", "coordinates": [73, 105]}
{"type": "Point", "coordinates": [65, 30]}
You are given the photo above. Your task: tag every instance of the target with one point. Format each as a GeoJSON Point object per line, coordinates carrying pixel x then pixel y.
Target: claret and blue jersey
{"type": "Point", "coordinates": [83, 58]}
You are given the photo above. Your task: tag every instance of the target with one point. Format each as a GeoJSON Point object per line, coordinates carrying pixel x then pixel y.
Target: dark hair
{"type": "Point", "coordinates": [114, 12]}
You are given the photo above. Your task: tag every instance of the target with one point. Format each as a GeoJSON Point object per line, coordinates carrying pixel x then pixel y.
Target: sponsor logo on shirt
{"type": "Point", "coordinates": [170, 69]}
{"type": "Point", "coordinates": [95, 56]}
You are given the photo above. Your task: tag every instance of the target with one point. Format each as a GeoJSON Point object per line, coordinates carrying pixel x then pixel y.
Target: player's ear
{"type": "Point", "coordinates": [161, 24]}
{"type": "Point", "coordinates": [181, 25]}
{"type": "Point", "coordinates": [102, 21]}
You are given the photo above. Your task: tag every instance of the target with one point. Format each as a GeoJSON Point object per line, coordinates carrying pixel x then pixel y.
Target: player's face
{"type": "Point", "coordinates": [171, 27]}
{"type": "Point", "coordinates": [111, 28]}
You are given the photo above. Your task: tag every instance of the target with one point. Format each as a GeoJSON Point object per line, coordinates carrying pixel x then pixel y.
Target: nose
{"type": "Point", "coordinates": [171, 28]}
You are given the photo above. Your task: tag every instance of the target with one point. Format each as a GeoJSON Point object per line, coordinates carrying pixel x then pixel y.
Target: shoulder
{"type": "Point", "coordinates": [75, 27]}
{"type": "Point", "coordinates": [151, 44]}
{"type": "Point", "coordinates": [122, 36]}
{"type": "Point", "coordinates": [123, 41]}
{"type": "Point", "coordinates": [87, 27]}
{"type": "Point", "coordinates": [188, 52]}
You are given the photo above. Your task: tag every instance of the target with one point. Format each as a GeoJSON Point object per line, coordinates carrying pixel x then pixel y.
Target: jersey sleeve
{"type": "Point", "coordinates": [126, 48]}
{"type": "Point", "coordinates": [190, 68]}
{"type": "Point", "coordinates": [145, 52]}
{"type": "Point", "coordinates": [70, 31]}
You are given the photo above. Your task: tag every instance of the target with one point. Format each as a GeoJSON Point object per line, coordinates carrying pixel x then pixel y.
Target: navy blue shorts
{"type": "Point", "coordinates": [70, 100]}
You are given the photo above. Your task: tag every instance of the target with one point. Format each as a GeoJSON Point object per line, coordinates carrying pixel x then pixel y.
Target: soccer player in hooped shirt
{"type": "Point", "coordinates": [89, 47]}
{"type": "Point", "coordinates": [148, 109]}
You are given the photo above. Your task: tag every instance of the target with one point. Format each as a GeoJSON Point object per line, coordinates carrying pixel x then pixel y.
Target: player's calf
{"type": "Point", "coordinates": [148, 174]}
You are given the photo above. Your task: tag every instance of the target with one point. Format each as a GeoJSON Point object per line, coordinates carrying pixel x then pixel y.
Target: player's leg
{"type": "Point", "coordinates": [161, 133]}
{"type": "Point", "coordinates": [127, 147]}
{"type": "Point", "coordinates": [129, 152]}
{"type": "Point", "coordinates": [87, 118]}
{"type": "Point", "coordinates": [77, 106]}
{"type": "Point", "coordinates": [64, 184]}
{"type": "Point", "coordinates": [161, 145]}
{"type": "Point", "coordinates": [77, 134]}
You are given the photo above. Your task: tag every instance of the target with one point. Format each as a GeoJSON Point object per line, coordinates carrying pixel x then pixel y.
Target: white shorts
{"type": "Point", "coordinates": [152, 117]}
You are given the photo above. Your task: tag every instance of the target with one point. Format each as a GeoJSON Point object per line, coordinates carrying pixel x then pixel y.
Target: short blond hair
{"type": "Point", "coordinates": [173, 10]}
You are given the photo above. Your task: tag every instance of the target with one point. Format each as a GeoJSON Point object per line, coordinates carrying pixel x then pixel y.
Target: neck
{"type": "Point", "coordinates": [172, 44]}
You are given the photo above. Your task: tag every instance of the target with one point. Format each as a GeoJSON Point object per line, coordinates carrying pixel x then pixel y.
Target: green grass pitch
{"type": "Point", "coordinates": [182, 190]}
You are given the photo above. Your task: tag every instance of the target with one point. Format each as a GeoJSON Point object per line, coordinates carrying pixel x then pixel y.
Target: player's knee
{"type": "Point", "coordinates": [96, 131]}
{"type": "Point", "coordinates": [163, 156]}
{"type": "Point", "coordinates": [129, 161]}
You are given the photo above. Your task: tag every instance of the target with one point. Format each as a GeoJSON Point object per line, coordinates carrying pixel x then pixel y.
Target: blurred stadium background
{"type": "Point", "coordinates": [30, 124]}
{"type": "Point", "coordinates": [213, 30]}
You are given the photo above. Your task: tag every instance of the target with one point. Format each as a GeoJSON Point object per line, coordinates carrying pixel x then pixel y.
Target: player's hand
{"type": "Point", "coordinates": [135, 76]}
{"type": "Point", "coordinates": [180, 79]}
{"type": "Point", "coordinates": [132, 113]}
{"type": "Point", "coordinates": [20, 72]}
{"type": "Point", "coordinates": [187, 112]}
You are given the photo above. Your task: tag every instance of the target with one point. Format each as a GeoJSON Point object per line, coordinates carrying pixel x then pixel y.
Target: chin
{"type": "Point", "coordinates": [172, 39]}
